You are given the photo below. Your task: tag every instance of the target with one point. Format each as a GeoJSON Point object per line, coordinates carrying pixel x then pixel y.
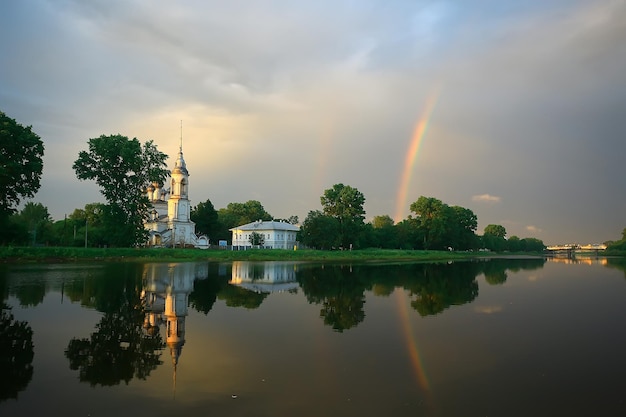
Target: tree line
{"type": "Point", "coordinates": [123, 167]}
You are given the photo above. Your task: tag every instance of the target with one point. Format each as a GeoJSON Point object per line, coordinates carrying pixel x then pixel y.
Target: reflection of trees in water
{"type": "Point", "coordinates": [205, 291]}
{"type": "Point", "coordinates": [16, 354]}
{"type": "Point", "coordinates": [31, 293]}
{"type": "Point", "coordinates": [495, 270]}
{"type": "Point", "coordinates": [437, 287]}
{"type": "Point", "coordinates": [340, 291]}
{"type": "Point", "coordinates": [433, 287]}
{"type": "Point", "coordinates": [235, 296]}
{"type": "Point", "coordinates": [617, 263]}
{"type": "Point", "coordinates": [118, 350]}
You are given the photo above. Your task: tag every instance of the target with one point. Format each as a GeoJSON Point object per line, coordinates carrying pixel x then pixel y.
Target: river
{"type": "Point", "coordinates": [501, 337]}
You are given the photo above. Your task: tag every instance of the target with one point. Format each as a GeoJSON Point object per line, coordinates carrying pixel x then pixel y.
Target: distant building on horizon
{"type": "Point", "coordinates": [276, 235]}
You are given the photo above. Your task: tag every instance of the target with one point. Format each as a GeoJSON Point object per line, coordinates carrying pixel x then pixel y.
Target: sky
{"type": "Point", "coordinates": [515, 110]}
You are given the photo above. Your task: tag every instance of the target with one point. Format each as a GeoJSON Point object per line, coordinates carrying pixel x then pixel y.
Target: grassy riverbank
{"type": "Point", "coordinates": [61, 254]}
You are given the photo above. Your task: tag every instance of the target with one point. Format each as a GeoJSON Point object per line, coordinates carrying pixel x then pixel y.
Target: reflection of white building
{"type": "Point", "coordinates": [169, 222]}
{"type": "Point", "coordinates": [265, 276]}
{"type": "Point", "coordinates": [277, 235]}
{"type": "Point", "coordinates": [165, 296]}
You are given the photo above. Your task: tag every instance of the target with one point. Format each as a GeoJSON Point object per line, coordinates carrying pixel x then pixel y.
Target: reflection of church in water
{"type": "Point", "coordinates": [165, 296]}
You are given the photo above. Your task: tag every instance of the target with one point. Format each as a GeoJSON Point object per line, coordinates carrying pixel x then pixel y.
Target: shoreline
{"type": "Point", "coordinates": [30, 255]}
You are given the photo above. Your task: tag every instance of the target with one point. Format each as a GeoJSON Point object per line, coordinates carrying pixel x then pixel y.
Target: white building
{"type": "Point", "coordinates": [169, 222]}
{"type": "Point", "coordinates": [277, 235]}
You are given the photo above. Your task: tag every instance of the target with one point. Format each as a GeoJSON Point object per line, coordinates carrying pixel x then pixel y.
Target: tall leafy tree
{"type": "Point", "coordinates": [319, 231]}
{"type": "Point", "coordinates": [237, 214]}
{"type": "Point", "coordinates": [385, 232]}
{"type": "Point", "coordinates": [206, 218]}
{"type": "Point", "coordinates": [345, 204]}
{"type": "Point", "coordinates": [462, 228]}
{"type": "Point", "coordinates": [441, 226]}
{"type": "Point", "coordinates": [431, 218]}
{"type": "Point", "coordinates": [380, 222]}
{"type": "Point", "coordinates": [494, 237]}
{"type": "Point", "coordinates": [37, 220]}
{"type": "Point", "coordinates": [257, 239]}
{"type": "Point", "coordinates": [21, 165]}
{"type": "Point", "coordinates": [123, 168]}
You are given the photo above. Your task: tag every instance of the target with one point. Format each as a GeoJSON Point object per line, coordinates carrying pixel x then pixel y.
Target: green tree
{"type": "Point", "coordinates": [462, 228]}
{"type": "Point", "coordinates": [531, 244]}
{"type": "Point", "coordinates": [21, 165]}
{"type": "Point", "coordinates": [410, 236]}
{"type": "Point", "coordinates": [494, 238]}
{"type": "Point", "coordinates": [379, 222]}
{"type": "Point", "coordinates": [37, 220]}
{"type": "Point", "coordinates": [495, 230]}
{"type": "Point", "coordinates": [385, 233]}
{"type": "Point", "coordinates": [319, 231]}
{"type": "Point", "coordinates": [237, 214]}
{"type": "Point", "coordinates": [345, 204]}
{"type": "Point", "coordinates": [123, 168]}
{"type": "Point", "coordinates": [91, 221]}
{"type": "Point", "coordinates": [206, 218]}
{"type": "Point", "coordinates": [514, 244]}
{"type": "Point", "coordinates": [257, 239]}
{"type": "Point", "coordinates": [431, 219]}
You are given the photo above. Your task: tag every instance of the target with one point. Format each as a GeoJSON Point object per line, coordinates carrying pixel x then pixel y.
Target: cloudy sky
{"type": "Point", "coordinates": [514, 109]}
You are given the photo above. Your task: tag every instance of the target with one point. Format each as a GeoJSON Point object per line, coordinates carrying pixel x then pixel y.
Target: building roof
{"type": "Point", "coordinates": [267, 225]}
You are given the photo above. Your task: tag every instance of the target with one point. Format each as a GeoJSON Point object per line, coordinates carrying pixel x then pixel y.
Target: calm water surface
{"type": "Point", "coordinates": [483, 338]}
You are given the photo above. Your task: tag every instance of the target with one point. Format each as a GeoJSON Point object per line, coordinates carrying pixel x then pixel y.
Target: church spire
{"type": "Point", "coordinates": [179, 166]}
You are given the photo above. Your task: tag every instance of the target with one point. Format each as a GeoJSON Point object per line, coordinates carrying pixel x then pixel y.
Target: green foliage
{"type": "Point", "coordinates": [14, 231]}
{"type": "Point", "coordinates": [206, 218]}
{"type": "Point", "coordinates": [123, 168]}
{"type": "Point", "coordinates": [441, 226]}
{"type": "Point", "coordinates": [237, 214]}
{"type": "Point", "coordinates": [320, 231]}
{"type": "Point", "coordinates": [257, 239]}
{"type": "Point", "coordinates": [380, 222]}
{"type": "Point", "coordinates": [384, 234]}
{"type": "Point", "coordinates": [494, 238]}
{"type": "Point", "coordinates": [495, 230]}
{"type": "Point", "coordinates": [21, 153]}
{"type": "Point", "coordinates": [345, 204]}
{"type": "Point", "coordinates": [37, 220]}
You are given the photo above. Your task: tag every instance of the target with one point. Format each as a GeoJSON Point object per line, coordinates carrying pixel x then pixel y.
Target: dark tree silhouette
{"type": "Point", "coordinates": [16, 354]}
{"type": "Point", "coordinates": [117, 351]}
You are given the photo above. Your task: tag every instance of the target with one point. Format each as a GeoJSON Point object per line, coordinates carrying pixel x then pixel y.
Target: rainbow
{"type": "Point", "coordinates": [411, 343]}
{"type": "Point", "coordinates": [418, 134]}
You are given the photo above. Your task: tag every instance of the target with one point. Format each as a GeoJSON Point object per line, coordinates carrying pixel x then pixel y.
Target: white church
{"type": "Point", "coordinates": [169, 223]}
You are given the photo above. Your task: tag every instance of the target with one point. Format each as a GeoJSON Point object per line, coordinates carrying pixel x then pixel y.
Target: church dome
{"type": "Point", "coordinates": [180, 170]}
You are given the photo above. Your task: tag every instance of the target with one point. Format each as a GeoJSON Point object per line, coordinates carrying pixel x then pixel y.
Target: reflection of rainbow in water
{"type": "Point", "coordinates": [418, 134]}
{"type": "Point", "coordinates": [411, 343]}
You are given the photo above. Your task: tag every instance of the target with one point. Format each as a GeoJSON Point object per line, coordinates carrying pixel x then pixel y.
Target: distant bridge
{"type": "Point", "coordinates": [572, 250]}
{"type": "Point", "coordinates": [577, 247]}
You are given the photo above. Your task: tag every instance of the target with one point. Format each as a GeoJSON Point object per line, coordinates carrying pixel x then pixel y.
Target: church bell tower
{"type": "Point", "coordinates": [178, 204]}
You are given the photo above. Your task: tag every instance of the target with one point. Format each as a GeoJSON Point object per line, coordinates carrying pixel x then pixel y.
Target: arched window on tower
{"type": "Point", "coordinates": [183, 188]}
